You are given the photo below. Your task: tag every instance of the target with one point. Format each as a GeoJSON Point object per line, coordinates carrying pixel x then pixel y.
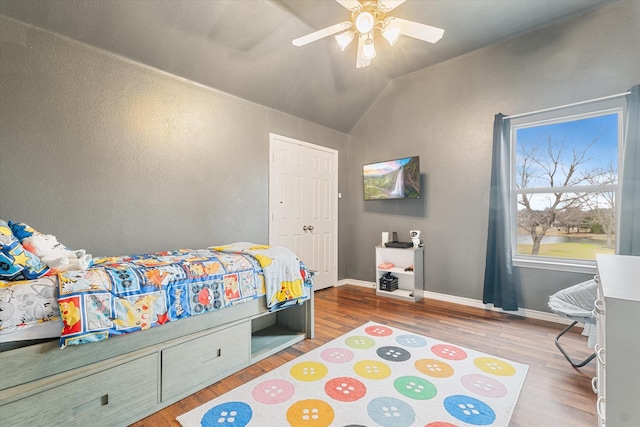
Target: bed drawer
{"type": "Point", "coordinates": [192, 365]}
{"type": "Point", "coordinates": [112, 397]}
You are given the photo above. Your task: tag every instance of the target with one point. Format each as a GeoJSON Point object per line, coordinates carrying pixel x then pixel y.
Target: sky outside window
{"type": "Point", "coordinates": [597, 137]}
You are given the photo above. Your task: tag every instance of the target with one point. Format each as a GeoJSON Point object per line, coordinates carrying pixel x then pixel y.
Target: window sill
{"type": "Point", "coordinates": [587, 267]}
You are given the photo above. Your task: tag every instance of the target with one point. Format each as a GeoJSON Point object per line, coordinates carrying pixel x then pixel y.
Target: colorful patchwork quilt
{"type": "Point", "coordinates": [283, 282]}
{"type": "Point", "coordinates": [120, 295]}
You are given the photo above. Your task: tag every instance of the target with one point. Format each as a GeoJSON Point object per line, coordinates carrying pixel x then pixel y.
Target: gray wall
{"type": "Point", "coordinates": [115, 157]}
{"type": "Point", "coordinates": [445, 114]}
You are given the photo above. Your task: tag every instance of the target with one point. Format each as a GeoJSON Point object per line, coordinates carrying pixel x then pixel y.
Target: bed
{"type": "Point", "coordinates": [162, 325]}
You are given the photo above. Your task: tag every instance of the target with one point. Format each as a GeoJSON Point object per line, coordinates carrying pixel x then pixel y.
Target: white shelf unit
{"type": "Point", "coordinates": [410, 283]}
{"type": "Point", "coordinates": [617, 313]}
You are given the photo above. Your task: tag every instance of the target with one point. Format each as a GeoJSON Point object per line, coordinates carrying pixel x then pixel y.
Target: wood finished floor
{"type": "Point", "coordinates": [554, 394]}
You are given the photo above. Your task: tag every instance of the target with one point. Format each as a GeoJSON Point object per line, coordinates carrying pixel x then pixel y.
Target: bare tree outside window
{"type": "Point", "coordinates": [565, 181]}
{"type": "Point", "coordinates": [601, 206]}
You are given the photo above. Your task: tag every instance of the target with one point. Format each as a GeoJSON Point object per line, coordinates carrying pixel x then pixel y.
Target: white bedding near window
{"type": "Point", "coordinates": [577, 303]}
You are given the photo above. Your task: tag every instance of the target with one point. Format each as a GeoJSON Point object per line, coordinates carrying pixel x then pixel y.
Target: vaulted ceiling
{"type": "Point", "coordinates": [243, 47]}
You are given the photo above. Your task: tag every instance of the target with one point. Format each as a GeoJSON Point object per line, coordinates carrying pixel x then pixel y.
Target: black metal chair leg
{"type": "Point", "coordinates": [564, 353]}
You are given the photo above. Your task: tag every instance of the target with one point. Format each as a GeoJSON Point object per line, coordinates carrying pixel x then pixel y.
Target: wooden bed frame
{"type": "Point", "coordinates": [126, 378]}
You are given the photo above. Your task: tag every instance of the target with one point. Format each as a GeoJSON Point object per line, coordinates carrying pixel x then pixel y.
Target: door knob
{"type": "Point", "coordinates": [310, 228]}
{"type": "Point", "coordinates": [305, 228]}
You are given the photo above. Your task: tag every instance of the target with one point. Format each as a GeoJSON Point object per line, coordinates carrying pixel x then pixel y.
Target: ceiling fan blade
{"type": "Point", "coordinates": [388, 5]}
{"type": "Point", "coordinates": [316, 35]}
{"type": "Point", "coordinates": [350, 4]}
{"type": "Point", "coordinates": [418, 31]}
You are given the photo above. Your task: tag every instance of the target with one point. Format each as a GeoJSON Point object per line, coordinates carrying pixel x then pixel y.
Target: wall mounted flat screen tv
{"type": "Point", "coordinates": [392, 179]}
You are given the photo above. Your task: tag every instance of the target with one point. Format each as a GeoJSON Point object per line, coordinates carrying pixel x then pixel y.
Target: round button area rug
{"type": "Point", "coordinates": [375, 375]}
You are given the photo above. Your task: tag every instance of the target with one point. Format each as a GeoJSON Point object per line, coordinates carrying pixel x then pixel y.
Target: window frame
{"type": "Point", "coordinates": [562, 115]}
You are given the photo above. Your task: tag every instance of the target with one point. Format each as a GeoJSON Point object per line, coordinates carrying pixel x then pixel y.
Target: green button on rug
{"type": "Point", "coordinates": [374, 376]}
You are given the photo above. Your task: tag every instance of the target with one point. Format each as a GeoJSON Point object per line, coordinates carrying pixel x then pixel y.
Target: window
{"type": "Point", "coordinates": [564, 187]}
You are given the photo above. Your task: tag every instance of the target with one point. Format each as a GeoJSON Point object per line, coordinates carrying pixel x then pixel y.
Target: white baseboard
{"type": "Point", "coordinates": [523, 312]}
{"type": "Point", "coordinates": [361, 283]}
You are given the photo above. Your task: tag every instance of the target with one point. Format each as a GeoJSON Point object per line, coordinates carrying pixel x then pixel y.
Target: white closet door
{"type": "Point", "coordinates": [303, 210]}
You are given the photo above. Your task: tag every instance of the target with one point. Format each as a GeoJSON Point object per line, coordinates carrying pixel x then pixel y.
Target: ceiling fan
{"type": "Point", "coordinates": [366, 17]}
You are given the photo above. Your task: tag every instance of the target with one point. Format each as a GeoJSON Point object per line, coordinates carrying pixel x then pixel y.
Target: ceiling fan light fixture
{"type": "Point", "coordinates": [365, 22]}
{"type": "Point", "coordinates": [369, 50]}
{"type": "Point", "coordinates": [368, 16]}
{"type": "Point", "coordinates": [344, 39]}
{"type": "Point", "coordinates": [391, 34]}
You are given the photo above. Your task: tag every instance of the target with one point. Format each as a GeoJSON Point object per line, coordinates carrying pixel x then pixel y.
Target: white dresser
{"type": "Point", "coordinates": [617, 313]}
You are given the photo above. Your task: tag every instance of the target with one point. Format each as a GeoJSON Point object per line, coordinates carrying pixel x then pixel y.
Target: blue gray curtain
{"type": "Point", "coordinates": [630, 183]}
{"type": "Point", "coordinates": [499, 282]}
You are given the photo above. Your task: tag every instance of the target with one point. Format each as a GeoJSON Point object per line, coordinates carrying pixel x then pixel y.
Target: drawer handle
{"type": "Point", "coordinates": [600, 353]}
{"type": "Point", "coordinates": [211, 356]}
{"type": "Point", "coordinates": [594, 384]}
{"type": "Point", "coordinates": [600, 408]}
{"type": "Point", "coordinates": [90, 405]}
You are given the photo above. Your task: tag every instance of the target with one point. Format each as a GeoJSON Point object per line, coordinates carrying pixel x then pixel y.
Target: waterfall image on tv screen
{"type": "Point", "coordinates": [392, 179]}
